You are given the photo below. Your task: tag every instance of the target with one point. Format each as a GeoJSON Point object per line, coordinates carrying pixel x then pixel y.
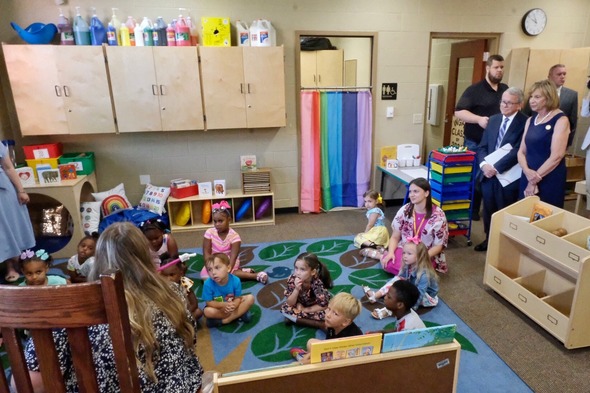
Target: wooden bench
{"type": "Point", "coordinates": [428, 369]}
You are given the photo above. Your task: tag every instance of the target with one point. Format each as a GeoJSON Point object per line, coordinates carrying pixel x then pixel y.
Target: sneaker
{"type": "Point", "coordinates": [214, 323]}
{"type": "Point", "coordinates": [247, 317]}
{"type": "Point", "coordinates": [298, 353]}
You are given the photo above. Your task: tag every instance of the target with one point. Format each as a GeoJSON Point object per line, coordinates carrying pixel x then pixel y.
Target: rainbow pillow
{"type": "Point", "coordinates": [112, 200]}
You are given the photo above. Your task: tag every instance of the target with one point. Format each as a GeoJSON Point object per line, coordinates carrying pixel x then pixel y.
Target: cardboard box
{"type": "Point", "coordinates": [388, 153]}
{"type": "Point", "coordinates": [216, 31]}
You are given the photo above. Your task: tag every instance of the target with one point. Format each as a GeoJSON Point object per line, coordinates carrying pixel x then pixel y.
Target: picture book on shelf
{"type": "Point", "coordinates": [540, 212]}
{"type": "Point", "coordinates": [67, 171]}
{"type": "Point", "coordinates": [418, 338]}
{"type": "Point", "coordinates": [248, 162]}
{"type": "Point", "coordinates": [345, 348]}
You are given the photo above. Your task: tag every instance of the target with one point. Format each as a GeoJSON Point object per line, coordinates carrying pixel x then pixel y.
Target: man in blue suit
{"type": "Point", "coordinates": [504, 128]}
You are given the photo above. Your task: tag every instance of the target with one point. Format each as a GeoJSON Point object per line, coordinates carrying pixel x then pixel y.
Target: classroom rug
{"type": "Point", "coordinates": [266, 340]}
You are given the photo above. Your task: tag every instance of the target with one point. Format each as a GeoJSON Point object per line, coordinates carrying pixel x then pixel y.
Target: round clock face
{"type": "Point", "coordinates": [534, 21]}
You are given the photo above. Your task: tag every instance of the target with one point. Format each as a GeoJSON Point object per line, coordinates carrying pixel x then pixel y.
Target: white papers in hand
{"type": "Point", "coordinates": [511, 174]}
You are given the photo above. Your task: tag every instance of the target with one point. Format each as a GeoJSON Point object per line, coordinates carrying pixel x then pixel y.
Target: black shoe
{"type": "Point", "coordinates": [483, 246]}
{"type": "Point", "coordinates": [213, 323]}
{"type": "Point", "coordinates": [475, 217]}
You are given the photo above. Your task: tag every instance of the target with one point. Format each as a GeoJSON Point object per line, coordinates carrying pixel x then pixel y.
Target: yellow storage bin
{"type": "Point", "coordinates": [454, 169]}
{"type": "Point", "coordinates": [216, 31]}
{"type": "Point", "coordinates": [53, 162]}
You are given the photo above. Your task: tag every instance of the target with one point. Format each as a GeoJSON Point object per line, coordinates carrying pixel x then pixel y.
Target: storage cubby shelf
{"type": "Point", "coordinates": [247, 210]}
{"type": "Point", "coordinates": [545, 276]}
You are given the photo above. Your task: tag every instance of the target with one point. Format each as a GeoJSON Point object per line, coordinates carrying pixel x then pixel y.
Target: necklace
{"type": "Point", "coordinates": [543, 119]}
{"type": "Point", "coordinates": [418, 231]}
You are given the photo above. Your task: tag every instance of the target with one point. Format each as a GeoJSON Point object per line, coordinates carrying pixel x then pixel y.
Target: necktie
{"type": "Point", "coordinates": [502, 133]}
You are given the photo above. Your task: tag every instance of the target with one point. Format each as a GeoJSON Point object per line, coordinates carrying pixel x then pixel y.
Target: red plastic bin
{"type": "Point", "coordinates": [49, 150]}
{"type": "Point", "coordinates": [184, 192]}
{"type": "Point", "coordinates": [467, 156]}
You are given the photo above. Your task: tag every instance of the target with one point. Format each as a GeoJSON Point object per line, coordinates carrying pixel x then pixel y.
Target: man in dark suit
{"type": "Point", "coordinates": [568, 98]}
{"type": "Point", "coordinates": [507, 127]}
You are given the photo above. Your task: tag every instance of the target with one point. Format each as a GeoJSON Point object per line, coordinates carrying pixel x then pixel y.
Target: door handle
{"type": "Point", "coordinates": [155, 90]}
{"type": "Point", "coordinates": [161, 90]}
{"type": "Point", "coordinates": [57, 91]}
{"type": "Point", "coordinates": [66, 91]}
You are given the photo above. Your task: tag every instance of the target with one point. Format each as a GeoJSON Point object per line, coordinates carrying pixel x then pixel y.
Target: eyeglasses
{"type": "Point", "coordinates": [507, 103]}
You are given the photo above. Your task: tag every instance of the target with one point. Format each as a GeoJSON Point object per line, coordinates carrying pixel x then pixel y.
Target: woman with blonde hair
{"type": "Point", "coordinates": [162, 328]}
{"type": "Point", "coordinates": [544, 143]}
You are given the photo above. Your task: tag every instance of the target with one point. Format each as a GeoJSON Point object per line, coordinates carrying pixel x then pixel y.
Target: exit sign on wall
{"type": "Point", "coordinates": [389, 91]}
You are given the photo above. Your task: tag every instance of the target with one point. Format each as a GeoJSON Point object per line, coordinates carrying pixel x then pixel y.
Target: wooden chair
{"type": "Point", "coordinates": [73, 307]}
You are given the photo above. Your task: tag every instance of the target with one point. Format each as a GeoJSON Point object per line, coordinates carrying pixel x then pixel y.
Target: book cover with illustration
{"type": "Point", "coordinates": [345, 348]}
{"type": "Point", "coordinates": [418, 338]}
{"type": "Point", "coordinates": [248, 162]}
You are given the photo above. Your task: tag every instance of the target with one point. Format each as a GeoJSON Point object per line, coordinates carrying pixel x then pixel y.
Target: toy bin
{"type": "Point", "coordinates": [184, 192]}
{"type": "Point", "coordinates": [33, 164]}
{"type": "Point", "coordinates": [37, 152]}
{"type": "Point", "coordinates": [84, 162]}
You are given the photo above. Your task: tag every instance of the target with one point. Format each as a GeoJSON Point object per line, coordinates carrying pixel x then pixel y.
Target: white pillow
{"type": "Point", "coordinates": [112, 200]}
{"type": "Point", "coordinates": [154, 199]}
{"type": "Point", "coordinates": [90, 214]}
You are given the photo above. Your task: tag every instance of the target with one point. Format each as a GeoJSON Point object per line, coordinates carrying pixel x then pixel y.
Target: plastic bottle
{"type": "Point", "coordinates": [116, 24]}
{"type": "Point", "coordinates": [81, 29]}
{"type": "Point", "coordinates": [98, 33]}
{"type": "Point", "coordinates": [266, 33]}
{"type": "Point", "coordinates": [170, 35]}
{"type": "Point", "coordinates": [124, 32]}
{"type": "Point", "coordinates": [66, 32]}
{"type": "Point", "coordinates": [193, 31]}
{"type": "Point", "coordinates": [138, 35]}
{"type": "Point", "coordinates": [148, 31]}
{"type": "Point", "coordinates": [182, 32]}
{"type": "Point", "coordinates": [160, 32]}
{"type": "Point", "coordinates": [254, 30]}
{"type": "Point", "coordinates": [112, 35]}
{"type": "Point", "coordinates": [243, 33]}
{"type": "Point", "coordinates": [131, 26]}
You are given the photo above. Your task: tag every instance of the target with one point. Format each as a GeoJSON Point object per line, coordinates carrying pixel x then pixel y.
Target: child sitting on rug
{"type": "Point", "coordinates": [398, 303]}
{"type": "Point", "coordinates": [340, 315]}
{"type": "Point", "coordinates": [35, 266]}
{"type": "Point", "coordinates": [222, 292]}
{"type": "Point", "coordinates": [160, 241]}
{"type": "Point", "coordinates": [376, 234]}
{"type": "Point", "coordinates": [174, 270]}
{"type": "Point", "coordinates": [222, 238]}
{"type": "Point", "coordinates": [307, 292]}
{"type": "Point", "coordinates": [417, 269]}
{"type": "Point", "coordinates": [80, 264]}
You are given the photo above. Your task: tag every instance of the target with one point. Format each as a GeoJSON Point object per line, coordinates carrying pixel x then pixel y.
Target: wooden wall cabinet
{"type": "Point", "coordinates": [156, 88]}
{"type": "Point", "coordinates": [545, 276]}
{"type": "Point", "coordinates": [236, 199]}
{"type": "Point", "coordinates": [243, 87]}
{"type": "Point", "coordinates": [322, 68]}
{"type": "Point", "coordinates": [60, 89]}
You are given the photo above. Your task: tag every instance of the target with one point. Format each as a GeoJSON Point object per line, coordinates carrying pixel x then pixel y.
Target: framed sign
{"type": "Point", "coordinates": [389, 91]}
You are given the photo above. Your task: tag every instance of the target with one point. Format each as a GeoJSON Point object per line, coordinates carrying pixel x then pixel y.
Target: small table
{"type": "Point", "coordinates": [69, 193]}
{"type": "Point", "coordinates": [403, 175]}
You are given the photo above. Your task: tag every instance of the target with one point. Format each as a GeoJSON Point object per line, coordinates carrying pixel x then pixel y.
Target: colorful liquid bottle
{"type": "Point", "coordinates": [131, 26]}
{"type": "Point", "coordinates": [170, 35]}
{"type": "Point", "coordinates": [116, 24]}
{"type": "Point", "coordinates": [98, 33]}
{"type": "Point", "coordinates": [112, 35]}
{"type": "Point", "coordinates": [138, 35]}
{"type": "Point", "coordinates": [182, 32]}
{"type": "Point", "coordinates": [66, 33]}
{"type": "Point", "coordinates": [160, 30]}
{"type": "Point", "coordinates": [81, 29]}
{"type": "Point", "coordinates": [193, 31]}
{"type": "Point", "coordinates": [148, 31]}
{"type": "Point", "coordinates": [124, 32]}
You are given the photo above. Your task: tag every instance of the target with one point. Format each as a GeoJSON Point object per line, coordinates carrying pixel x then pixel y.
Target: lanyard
{"type": "Point", "coordinates": [417, 232]}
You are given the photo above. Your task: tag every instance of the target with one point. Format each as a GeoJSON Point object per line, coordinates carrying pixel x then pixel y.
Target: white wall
{"type": "Point", "coordinates": [404, 28]}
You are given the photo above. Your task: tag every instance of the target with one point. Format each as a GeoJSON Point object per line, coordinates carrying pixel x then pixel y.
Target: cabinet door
{"type": "Point", "coordinates": [36, 89]}
{"type": "Point", "coordinates": [222, 73]}
{"type": "Point", "coordinates": [135, 89]}
{"type": "Point", "coordinates": [307, 63]}
{"type": "Point", "coordinates": [83, 76]}
{"type": "Point", "coordinates": [330, 65]}
{"type": "Point", "coordinates": [177, 74]}
{"type": "Point", "coordinates": [264, 74]}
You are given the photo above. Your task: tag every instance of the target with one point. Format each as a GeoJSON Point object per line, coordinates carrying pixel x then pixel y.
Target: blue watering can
{"type": "Point", "coordinates": [36, 33]}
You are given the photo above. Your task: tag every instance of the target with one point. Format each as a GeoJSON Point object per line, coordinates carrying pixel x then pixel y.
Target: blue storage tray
{"type": "Point", "coordinates": [464, 187]}
{"type": "Point", "coordinates": [447, 196]}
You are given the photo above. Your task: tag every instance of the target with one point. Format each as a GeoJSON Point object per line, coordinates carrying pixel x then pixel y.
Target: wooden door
{"type": "Point", "coordinates": [135, 89]}
{"type": "Point", "coordinates": [462, 50]}
{"type": "Point", "coordinates": [330, 68]}
{"type": "Point", "coordinates": [222, 73]}
{"type": "Point", "coordinates": [264, 75]}
{"type": "Point", "coordinates": [36, 89]}
{"type": "Point", "coordinates": [177, 74]}
{"type": "Point", "coordinates": [83, 76]}
{"type": "Point", "coordinates": [307, 62]}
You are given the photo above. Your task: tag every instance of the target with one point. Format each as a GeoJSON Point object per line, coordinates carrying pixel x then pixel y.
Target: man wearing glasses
{"type": "Point", "coordinates": [502, 136]}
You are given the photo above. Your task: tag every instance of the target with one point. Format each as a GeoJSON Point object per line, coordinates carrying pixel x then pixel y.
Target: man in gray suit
{"type": "Point", "coordinates": [568, 98]}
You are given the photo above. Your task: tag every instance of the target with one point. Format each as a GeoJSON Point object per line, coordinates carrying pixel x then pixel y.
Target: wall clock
{"type": "Point", "coordinates": [534, 22]}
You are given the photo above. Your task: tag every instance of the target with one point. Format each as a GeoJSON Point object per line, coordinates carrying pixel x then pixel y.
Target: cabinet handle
{"type": "Point", "coordinates": [319, 78]}
{"type": "Point", "coordinates": [57, 91]}
{"type": "Point", "coordinates": [540, 240]}
{"type": "Point", "coordinates": [573, 257]}
{"type": "Point", "coordinates": [155, 90]}
{"type": "Point", "coordinates": [314, 81]}
{"type": "Point", "coordinates": [513, 226]}
{"type": "Point", "coordinates": [248, 88]}
{"type": "Point", "coordinates": [66, 91]}
{"type": "Point", "coordinates": [522, 298]}
{"type": "Point", "coordinates": [552, 319]}
{"type": "Point", "coordinates": [161, 90]}
{"type": "Point", "coordinates": [241, 88]}
{"type": "Point", "coordinates": [498, 280]}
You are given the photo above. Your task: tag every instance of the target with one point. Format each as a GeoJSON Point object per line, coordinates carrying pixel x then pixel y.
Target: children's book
{"type": "Point", "coordinates": [345, 348]}
{"type": "Point", "coordinates": [248, 162]}
{"type": "Point", "coordinates": [67, 171]}
{"type": "Point", "coordinates": [418, 338]}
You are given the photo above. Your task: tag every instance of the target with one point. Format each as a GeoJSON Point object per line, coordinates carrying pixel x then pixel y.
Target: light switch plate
{"type": "Point", "coordinates": [144, 179]}
{"type": "Point", "coordinates": [417, 118]}
{"type": "Point", "coordinates": [389, 112]}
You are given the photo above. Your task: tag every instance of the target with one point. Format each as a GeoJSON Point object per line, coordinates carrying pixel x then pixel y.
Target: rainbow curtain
{"type": "Point", "coordinates": [336, 134]}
